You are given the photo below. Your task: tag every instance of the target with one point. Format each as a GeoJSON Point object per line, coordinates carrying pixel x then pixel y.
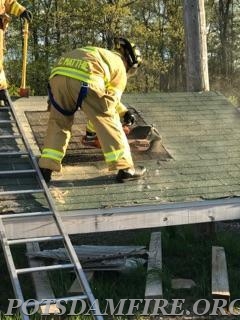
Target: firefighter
{"type": "Point", "coordinates": [9, 7]}
{"type": "Point", "coordinates": [93, 79]}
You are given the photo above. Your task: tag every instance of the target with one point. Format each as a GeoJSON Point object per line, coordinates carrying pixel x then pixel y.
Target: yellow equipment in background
{"type": "Point", "coordinates": [24, 91]}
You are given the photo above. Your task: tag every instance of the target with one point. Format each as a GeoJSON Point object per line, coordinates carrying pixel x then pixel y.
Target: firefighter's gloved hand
{"type": "Point", "coordinates": [129, 118]}
{"type": "Point", "coordinates": [26, 15]}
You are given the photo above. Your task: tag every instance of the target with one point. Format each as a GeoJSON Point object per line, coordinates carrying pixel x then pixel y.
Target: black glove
{"type": "Point", "coordinates": [129, 118]}
{"type": "Point", "coordinates": [26, 15]}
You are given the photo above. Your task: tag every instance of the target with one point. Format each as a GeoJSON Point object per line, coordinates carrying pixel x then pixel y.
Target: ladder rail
{"type": "Point", "coordinates": [73, 256]}
{"type": "Point", "coordinates": [66, 239]}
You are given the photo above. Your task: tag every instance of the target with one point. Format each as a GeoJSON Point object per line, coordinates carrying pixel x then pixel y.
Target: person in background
{"type": "Point", "coordinates": [93, 79]}
{"type": "Point", "coordinates": [9, 7]}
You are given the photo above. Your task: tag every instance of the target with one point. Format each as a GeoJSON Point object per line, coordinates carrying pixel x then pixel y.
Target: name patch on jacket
{"type": "Point", "coordinates": [74, 63]}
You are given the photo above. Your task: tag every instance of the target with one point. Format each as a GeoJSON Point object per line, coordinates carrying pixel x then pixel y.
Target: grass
{"type": "Point", "coordinates": [186, 254]}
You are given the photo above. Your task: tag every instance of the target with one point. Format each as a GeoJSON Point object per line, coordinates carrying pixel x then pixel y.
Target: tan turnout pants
{"type": "Point", "coordinates": [99, 110]}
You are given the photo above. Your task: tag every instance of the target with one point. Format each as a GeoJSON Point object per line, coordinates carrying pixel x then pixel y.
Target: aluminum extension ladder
{"type": "Point", "coordinates": [8, 110]}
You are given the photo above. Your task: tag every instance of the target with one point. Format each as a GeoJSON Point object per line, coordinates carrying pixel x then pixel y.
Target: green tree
{"type": "Point", "coordinates": [155, 25]}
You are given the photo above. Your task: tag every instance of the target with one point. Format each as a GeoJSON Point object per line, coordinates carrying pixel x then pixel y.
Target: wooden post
{"type": "Point", "coordinates": [220, 284]}
{"type": "Point", "coordinates": [153, 288]}
{"type": "Point", "coordinates": [41, 283]}
{"type": "Point", "coordinates": [196, 46]}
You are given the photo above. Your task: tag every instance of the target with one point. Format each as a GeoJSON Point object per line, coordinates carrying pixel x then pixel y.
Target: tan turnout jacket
{"type": "Point", "coordinates": [105, 73]}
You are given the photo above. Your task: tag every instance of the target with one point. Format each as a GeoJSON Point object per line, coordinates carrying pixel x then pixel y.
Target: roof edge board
{"type": "Point", "coordinates": [137, 218]}
{"type": "Point", "coordinates": [144, 208]}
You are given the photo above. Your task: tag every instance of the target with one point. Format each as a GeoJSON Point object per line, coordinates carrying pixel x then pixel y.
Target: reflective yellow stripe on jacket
{"type": "Point", "coordinates": [16, 9]}
{"type": "Point", "coordinates": [52, 154]}
{"type": "Point", "coordinates": [78, 75]}
{"type": "Point", "coordinates": [84, 64]}
{"type": "Point", "coordinates": [80, 69]}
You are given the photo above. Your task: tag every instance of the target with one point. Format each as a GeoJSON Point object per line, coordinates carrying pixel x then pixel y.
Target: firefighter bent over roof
{"type": "Point", "coordinates": [93, 79]}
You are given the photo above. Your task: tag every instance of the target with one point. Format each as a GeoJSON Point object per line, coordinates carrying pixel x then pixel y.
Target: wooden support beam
{"type": "Point", "coordinates": [220, 285]}
{"type": "Point", "coordinates": [154, 281]}
{"type": "Point", "coordinates": [41, 282]}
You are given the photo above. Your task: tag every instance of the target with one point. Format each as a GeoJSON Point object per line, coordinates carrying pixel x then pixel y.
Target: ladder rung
{"type": "Point", "coordinates": [45, 268]}
{"type": "Point", "coordinates": [7, 121]}
{"type": "Point", "coordinates": [39, 239]}
{"type": "Point", "coordinates": [25, 215]}
{"type": "Point", "coordinates": [14, 153]}
{"type": "Point", "coordinates": [9, 172]}
{"type": "Point", "coordinates": [54, 300]}
{"type": "Point", "coordinates": [5, 193]}
{"type": "Point", "coordinates": [10, 136]}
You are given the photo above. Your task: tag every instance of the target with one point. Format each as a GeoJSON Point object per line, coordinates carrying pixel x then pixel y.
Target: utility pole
{"type": "Point", "coordinates": [196, 46]}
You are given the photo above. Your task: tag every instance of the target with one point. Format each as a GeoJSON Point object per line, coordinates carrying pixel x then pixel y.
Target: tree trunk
{"type": "Point", "coordinates": [224, 6]}
{"type": "Point", "coordinates": [196, 45]}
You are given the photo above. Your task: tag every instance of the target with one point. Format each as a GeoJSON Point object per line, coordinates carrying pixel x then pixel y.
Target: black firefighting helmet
{"type": "Point", "coordinates": [130, 52]}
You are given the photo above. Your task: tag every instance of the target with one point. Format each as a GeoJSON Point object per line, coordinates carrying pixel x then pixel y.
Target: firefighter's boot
{"type": "Point", "coordinates": [125, 175]}
{"type": "Point", "coordinates": [47, 174]}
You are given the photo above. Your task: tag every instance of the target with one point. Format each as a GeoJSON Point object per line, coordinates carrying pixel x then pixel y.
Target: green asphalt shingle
{"type": "Point", "coordinates": [200, 131]}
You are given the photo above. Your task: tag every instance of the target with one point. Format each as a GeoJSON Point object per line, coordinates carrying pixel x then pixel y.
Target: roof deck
{"type": "Point", "coordinates": [198, 182]}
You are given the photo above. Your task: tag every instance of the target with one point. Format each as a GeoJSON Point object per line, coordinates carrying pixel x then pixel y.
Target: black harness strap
{"type": "Point", "coordinates": [81, 96]}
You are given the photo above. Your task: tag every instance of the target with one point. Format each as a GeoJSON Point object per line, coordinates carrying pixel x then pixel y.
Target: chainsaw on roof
{"type": "Point", "coordinates": [140, 138]}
